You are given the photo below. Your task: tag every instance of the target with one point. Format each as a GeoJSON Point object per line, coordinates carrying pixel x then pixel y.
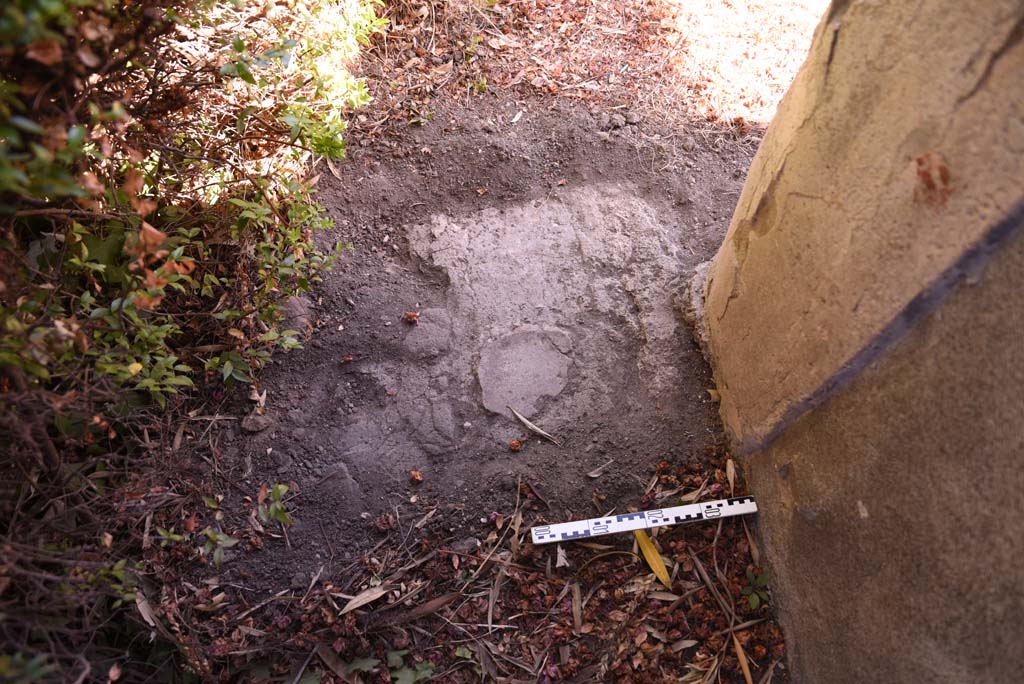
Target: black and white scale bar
{"type": "Point", "coordinates": [642, 520]}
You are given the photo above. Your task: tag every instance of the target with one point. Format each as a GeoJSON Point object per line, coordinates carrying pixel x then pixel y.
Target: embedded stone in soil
{"type": "Point", "coordinates": [519, 369]}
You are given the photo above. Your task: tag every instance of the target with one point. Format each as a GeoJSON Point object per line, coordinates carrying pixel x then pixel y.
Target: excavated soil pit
{"type": "Point", "coordinates": [543, 259]}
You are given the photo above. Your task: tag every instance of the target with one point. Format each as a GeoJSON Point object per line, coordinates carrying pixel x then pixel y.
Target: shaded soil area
{"type": "Point", "coordinates": [539, 261]}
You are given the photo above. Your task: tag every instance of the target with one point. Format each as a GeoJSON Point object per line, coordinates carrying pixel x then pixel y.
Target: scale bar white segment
{"type": "Point", "coordinates": [642, 520]}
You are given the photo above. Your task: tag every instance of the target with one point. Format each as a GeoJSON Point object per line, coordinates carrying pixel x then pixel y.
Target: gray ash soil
{"type": "Point", "coordinates": [543, 258]}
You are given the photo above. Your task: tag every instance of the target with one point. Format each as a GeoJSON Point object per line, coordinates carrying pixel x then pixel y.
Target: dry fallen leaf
{"type": "Point", "coordinates": [133, 182]}
{"type": "Point", "coordinates": [336, 664]}
{"type": "Point", "coordinates": [365, 597]}
{"type": "Point", "coordinates": [652, 557]}
{"type": "Point", "coordinates": [597, 472]}
{"type": "Point", "coordinates": [46, 52]}
{"type": "Point", "coordinates": [259, 397]}
{"type": "Point", "coordinates": [415, 476]}
{"type": "Point", "coordinates": [150, 238]}
{"type": "Point", "coordinates": [91, 184]}
{"type": "Point", "coordinates": [145, 610]}
{"type": "Point", "coordinates": [87, 57]}
{"type": "Point", "coordinates": [561, 560]}
{"type": "Point", "coordinates": [143, 207]}
{"type": "Point", "coordinates": [678, 646]}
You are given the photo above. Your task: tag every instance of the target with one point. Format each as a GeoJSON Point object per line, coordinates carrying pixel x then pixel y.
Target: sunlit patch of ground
{"type": "Point", "coordinates": [699, 67]}
{"type": "Point", "coordinates": [735, 58]}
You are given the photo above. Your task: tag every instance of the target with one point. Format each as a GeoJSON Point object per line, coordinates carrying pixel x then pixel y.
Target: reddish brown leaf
{"type": "Point", "coordinates": [48, 51]}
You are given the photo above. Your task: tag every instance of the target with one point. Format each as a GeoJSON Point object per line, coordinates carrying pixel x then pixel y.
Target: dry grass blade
{"type": "Point", "coordinates": [604, 555]}
{"type": "Point", "coordinates": [652, 557]}
{"type": "Point", "coordinates": [487, 663]}
{"type": "Point", "coordinates": [742, 657]}
{"type": "Point", "coordinates": [259, 605]}
{"type": "Point", "coordinates": [577, 608]}
{"type": "Point", "coordinates": [533, 428]}
{"type": "Point", "coordinates": [695, 494]}
{"type": "Point", "coordinates": [515, 525]}
{"type": "Point", "coordinates": [767, 677]}
{"type": "Point", "coordinates": [497, 544]}
{"type": "Point", "coordinates": [425, 519]}
{"type": "Point", "coordinates": [709, 584]}
{"type": "Point", "coordinates": [398, 574]}
{"type": "Point", "coordinates": [493, 598]}
{"type": "Point", "coordinates": [739, 628]}
{"type": "Point", "coordinates": [336, 665]}
{"type": "Point", "coordinates": [422, 610]}
{"type": "Point", "coordinates": [755, 552]}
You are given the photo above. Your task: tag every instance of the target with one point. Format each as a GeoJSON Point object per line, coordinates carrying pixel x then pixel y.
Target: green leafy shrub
{"type": "Point", "coordinates": [154, 213]}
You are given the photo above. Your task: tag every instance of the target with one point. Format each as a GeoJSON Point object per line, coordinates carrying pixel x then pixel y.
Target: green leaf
{"type": "Point", "coordinates": [244, 73]}
{"type": "Point", "coordinates": [405, 675]}
{"type": "Point", "coordinates": [310, 677]}
{"type": "Point", "coordinates": [362, 665]}
{"type": "Point", "coordinates": [463, 652]}
{"type": "Point", "coordinates": [69, 425]}
{"type": "Point", "coordinates": [396, 659]}
{"type": "Point", "coordinates": [26, 365]}
{"type": "Point", "coordinates": [754, 600]}
{"type": "Point", "coordinates": [26, 125]}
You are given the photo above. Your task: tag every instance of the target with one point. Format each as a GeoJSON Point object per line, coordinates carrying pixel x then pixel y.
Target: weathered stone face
{"type": "Point", "coordinates": [864, 320]}
{"type": "Point", "coordinates": [898, 146]}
